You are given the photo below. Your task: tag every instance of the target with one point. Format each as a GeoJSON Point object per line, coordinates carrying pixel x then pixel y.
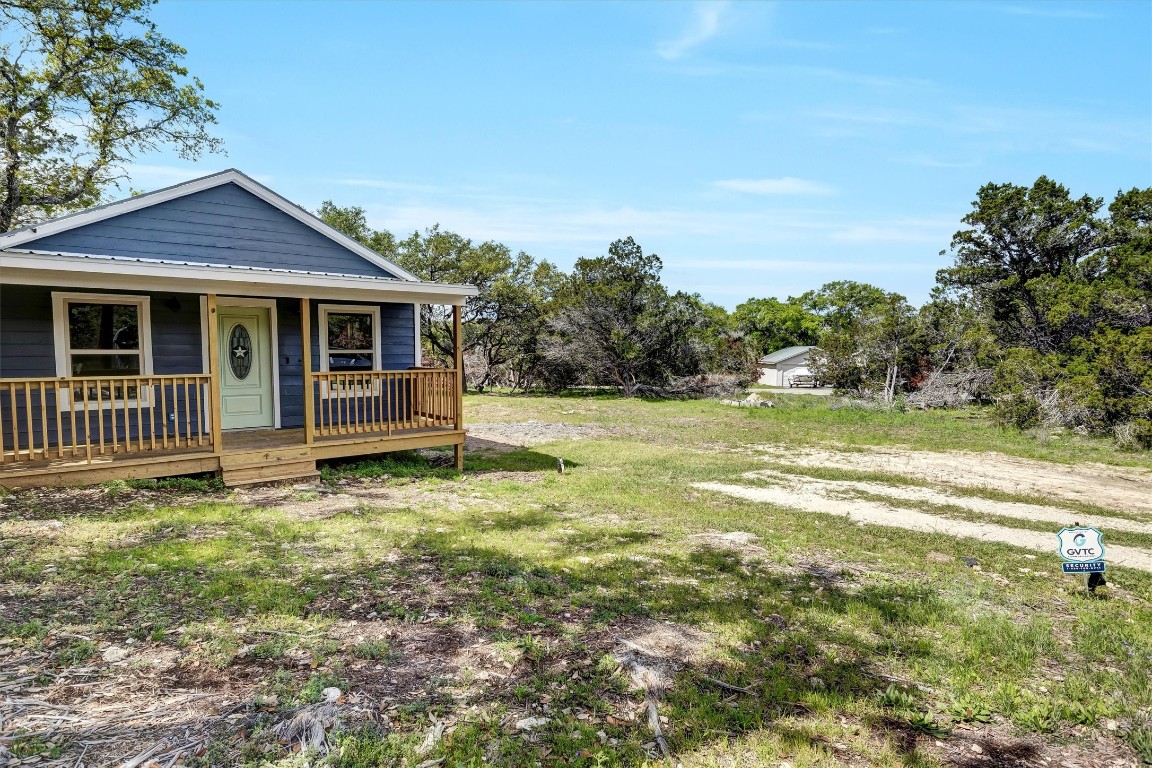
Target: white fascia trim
{"type": "Point", "coordinates": [85, 271]}
{"type": "Point", "coordinates": [230, 176]}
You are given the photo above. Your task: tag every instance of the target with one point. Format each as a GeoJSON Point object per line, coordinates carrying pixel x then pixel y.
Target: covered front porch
{"type": "Point", "coordinates": [79, 429]}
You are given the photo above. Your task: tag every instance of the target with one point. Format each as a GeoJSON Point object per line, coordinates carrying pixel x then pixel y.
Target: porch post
{"type": "Point", "coordinates": [309, 403]}
{"type": "Point", "coordinates": [214, 371]}
{"type": "Point", "coordinates": [458, 349]}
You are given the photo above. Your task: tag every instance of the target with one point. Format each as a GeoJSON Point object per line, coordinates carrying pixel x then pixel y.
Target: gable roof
{"type": "Point", "coordinates": [781, 355]}
{"type": "Point", "coordinates": [52, 231]}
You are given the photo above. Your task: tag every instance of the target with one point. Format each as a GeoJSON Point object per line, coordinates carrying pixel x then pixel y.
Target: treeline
{"type": "Point", "coordinates": [1046, 314]}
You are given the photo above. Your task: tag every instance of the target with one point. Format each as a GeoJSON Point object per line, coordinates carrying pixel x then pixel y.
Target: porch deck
{"type": "Point", "coordinates": [246, 456]}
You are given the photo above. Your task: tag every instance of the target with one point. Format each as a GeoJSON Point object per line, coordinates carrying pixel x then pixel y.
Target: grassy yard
{"type": "Point", "coordinates": [514, 615]}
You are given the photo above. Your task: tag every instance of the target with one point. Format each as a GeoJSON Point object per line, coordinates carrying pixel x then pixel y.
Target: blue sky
{"type": "Point", "coordinates": [761, 149]}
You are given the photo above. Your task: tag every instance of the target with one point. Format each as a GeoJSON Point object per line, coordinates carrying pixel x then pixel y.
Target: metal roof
{"type": "Point", "coordinates": [237, 267]}
{"type": "Point", "coordinates": [781, 355]}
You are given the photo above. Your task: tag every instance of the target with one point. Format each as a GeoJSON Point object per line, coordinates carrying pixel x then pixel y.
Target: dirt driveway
{"type": "Point", "coordinates": [1124, 489]}
{"type": "Point", "coordinates": [952, 504]}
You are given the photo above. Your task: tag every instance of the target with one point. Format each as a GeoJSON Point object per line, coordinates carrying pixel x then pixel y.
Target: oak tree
{"type": "Point", "coordinates": [85, 87]}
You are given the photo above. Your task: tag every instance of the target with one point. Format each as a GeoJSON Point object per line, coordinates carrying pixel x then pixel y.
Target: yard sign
{"type": "Point", "coordinates": [1081, 549]}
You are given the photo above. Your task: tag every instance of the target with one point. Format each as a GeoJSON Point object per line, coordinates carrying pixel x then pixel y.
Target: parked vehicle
{"type": "Point", "coordinates": [803, 380]}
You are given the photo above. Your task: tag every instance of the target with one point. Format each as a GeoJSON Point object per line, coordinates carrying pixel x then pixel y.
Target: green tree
{"type": "Point", "coordinates": [86, 86]}
{"type": "Point", "coordinates": [501, 323]}
{"type": "Point", "coordinates": [1020, 240]}
{"type": "Point", "coordinates": [726, 344]}
{"type": "Point", "coordinates": [771, 324]}
{"type": "Point", "coordinates": [616, 323]}
{"type": "Point", "coordinates": [874, 354]}
{"type": "Point", "coordinates": [841, 302]}
{"type": "Point", "coordinates": [1065, 293]}
{"type": "Point", "coordinates": [446, 257]}
{"type": "Point", "coordinates": [353, 221]}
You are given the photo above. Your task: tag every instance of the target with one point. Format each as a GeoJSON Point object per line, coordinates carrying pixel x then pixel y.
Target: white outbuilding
{"type": "Point", "coordinates": [784, 367]}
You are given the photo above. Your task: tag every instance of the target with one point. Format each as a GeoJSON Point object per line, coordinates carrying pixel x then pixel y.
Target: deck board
{"type": "Point", "coordinates": [243, 446]}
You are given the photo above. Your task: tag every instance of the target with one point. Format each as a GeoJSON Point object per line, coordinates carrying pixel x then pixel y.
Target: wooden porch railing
{"type": "Point", "coordinates": [352, 402]}
{"type": "Point", "coordinates": [88, 418]}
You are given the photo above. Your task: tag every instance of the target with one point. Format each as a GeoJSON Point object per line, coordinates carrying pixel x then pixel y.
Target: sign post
{"type": "Point", "coordinates": [1083, 552]}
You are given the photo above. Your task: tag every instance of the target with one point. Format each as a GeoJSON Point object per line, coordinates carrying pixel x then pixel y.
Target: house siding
{"type": "Point", "coordinates": [222, 225]}
{"type": "Point", "coordinates": [28, 348]}
{"type": "Point", "coordinates": [397, 349]}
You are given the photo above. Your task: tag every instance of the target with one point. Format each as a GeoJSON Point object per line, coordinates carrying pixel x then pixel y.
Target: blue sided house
{"type": "Point", "coordinates": [212, 326]}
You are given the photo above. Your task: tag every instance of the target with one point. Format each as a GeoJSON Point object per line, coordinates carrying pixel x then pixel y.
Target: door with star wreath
{"type": "Point", "coordinates": [247, 398]}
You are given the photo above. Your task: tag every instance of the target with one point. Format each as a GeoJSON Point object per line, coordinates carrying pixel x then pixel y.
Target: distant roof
{"type": "Point", "coordinates": [781, 355]}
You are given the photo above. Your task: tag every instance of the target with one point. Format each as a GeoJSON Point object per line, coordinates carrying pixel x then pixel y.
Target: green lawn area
{"type": "Point", "coordinates": [449, 609]}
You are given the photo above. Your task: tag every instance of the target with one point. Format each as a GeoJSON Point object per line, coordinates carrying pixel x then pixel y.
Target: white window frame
{"type": "Point", "coordinates": [63, 342]}
{"type": "Point", "coordinates": [322, 312]}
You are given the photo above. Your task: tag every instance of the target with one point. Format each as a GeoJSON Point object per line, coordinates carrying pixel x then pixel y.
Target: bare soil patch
{"type": "Point", "coordinates": [509, 436]}
{"type": "Point", "coordinates": [314, 502]}
{"type": "Point", "coordinates": [737, 541]}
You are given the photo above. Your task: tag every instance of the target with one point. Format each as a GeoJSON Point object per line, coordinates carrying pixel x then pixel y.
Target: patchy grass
{"type": "Point", "coordinates": [450, 608]}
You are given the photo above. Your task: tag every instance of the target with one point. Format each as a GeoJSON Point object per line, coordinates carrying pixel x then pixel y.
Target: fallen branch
{"type": "Point", "coordinates": [432, 738]}
{"type": "Point", "coordinates": [654, 724]}
{"type": "Point", "coordinates": [140, 758]}
{"type": "Point", "coordinates": [726, 686]}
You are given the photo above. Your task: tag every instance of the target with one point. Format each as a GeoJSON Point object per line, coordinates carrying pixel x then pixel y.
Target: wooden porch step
{"type": "Point", "coordinates": [267, 465]}
{"type": "Point", "coordinates": [264, 457]}
{"type": "Point", "coordinates": [269, 473]}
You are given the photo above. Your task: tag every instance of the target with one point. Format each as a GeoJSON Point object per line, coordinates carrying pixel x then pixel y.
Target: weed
{"type": "Point", "coordinates": [115, 489]}
{"type": "Point", "coordinates": [925, 722]}
{"type": "Point", "coordinates": [36, 746]}
{"type": "Point", "coordinates": [969, 711]}
{"type": "Point", "coordinates": [273, 648]}
{"type": "Point", "coordinates": [204, 484]}
{"type": "Point", "coordinates": [896, 698]}
{"type": "Point", "coordinates": [312, 691]}
{"type": "Point", "coordinates": [33, 630]}
{"type": "Point", "coordinates": [367, 747]}
{"type": "Point", "coordinates": [1140, 738]}
{"type": "Point", "coordinates": [398, 464]}
{"type": "Point", "coordinates": [75, 652]}
{"type": "Point", "coordinates": [1040, 718]}
{"type": "Point", "coordinates": [376, 649]}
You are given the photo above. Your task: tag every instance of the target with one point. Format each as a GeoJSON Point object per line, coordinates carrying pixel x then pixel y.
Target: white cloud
{"type": "Point", "coordinates": [705, 25]}
{"type": "Point", "coordinates": [788, 185]}
{"type": "Point", "coordinates": [925, 160]}
{"type": "Point", "coordinates": [1048, 11]}
{"type": "Point", "coordinates": [395, 186]}
{"type": "Point", "coordinates": [935, 231]}
{"type": "Point", "coordinates": [794, 265]}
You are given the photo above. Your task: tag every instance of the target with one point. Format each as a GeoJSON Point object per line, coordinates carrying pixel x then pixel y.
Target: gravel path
{"type": "Point", "coordinates": [1124, 489]}
{"type": "Point", "coordinates": [1014, 509]}
{"type": "Point", "coordinates": [815, 500]}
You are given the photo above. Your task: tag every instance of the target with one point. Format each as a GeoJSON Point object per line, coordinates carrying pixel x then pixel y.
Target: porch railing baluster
{"type": "Point", "coordinates": [67, 408]}
{"type": "Point", "coordinates": [383, 402]}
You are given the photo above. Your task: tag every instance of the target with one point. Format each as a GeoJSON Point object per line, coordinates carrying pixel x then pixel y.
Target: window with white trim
{"type": "Point", "coordinates": [349, 337]}
{"type": "Point", "coordinates": [101, 336]}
